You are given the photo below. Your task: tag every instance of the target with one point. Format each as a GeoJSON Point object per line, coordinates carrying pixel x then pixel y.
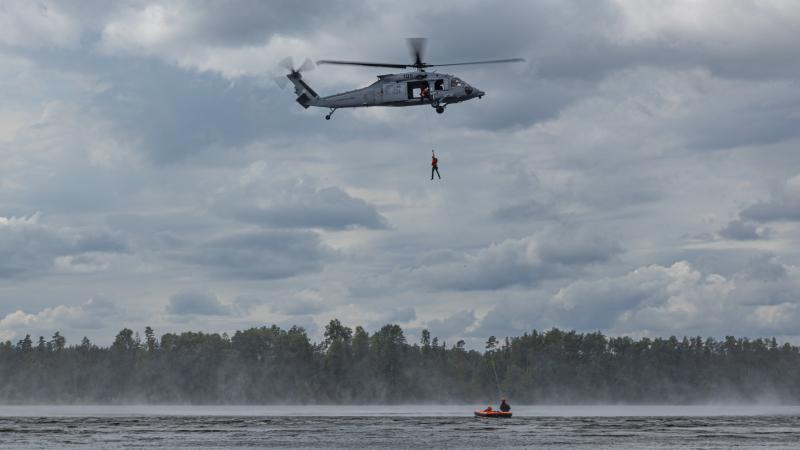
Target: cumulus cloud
{"type": "Point", "coordinates": [570, 247]}
{"type": "Point", "coordinates": [29, 247]}
{"type": "Point", "coordinates": [90, 315]}
{"type": "Point", "coordinates": [246, 40]}
{"type": "Point", "coordinates": [305, 206]}
{"type": "Point", "coordinates": [196, 302]}
{"type": "Point", "coordinates": [749, 39]}
{"type": "Point", "coordinates": [154, 141]}
{"type": "Point", "coordinates": [453, 325]}
{"type": "Point", "coordinates": [524, 210]}
{"type": "Point", "coordinates": [258, 254]}
{"type": "Point", "coordinates": [500, 265]}
{"type": "Point", "coordinates": [524, 262]}
{"type": "Point", "coordinates": [664, 300]}
{"type": "Point", "coordinates": [763, 268]}
{"type": "Point", "coordinates": [653, 297]}
{"type": "Point", "coordinates": [303, 303]}
{"type": "Point", "coordinates": [401, 315]}
{"type": "Point", "coordinates": [784, 204]}
{"type": "Point", "coordinates": [741, 231]}
{"type": "Point", "coordinates": [38, 24]}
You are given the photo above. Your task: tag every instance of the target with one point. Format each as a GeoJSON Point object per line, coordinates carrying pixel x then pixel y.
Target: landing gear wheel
{"type": "Point", "coordinates": [440, 109]}
{"type": "Point", "coordinates": [328, 117]}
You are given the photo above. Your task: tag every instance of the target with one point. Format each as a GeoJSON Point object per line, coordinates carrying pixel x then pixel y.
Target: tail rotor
{"type": "Point", "coordinates": [294, 73]}
{"type": "Point", "coordinates": [305, 95]}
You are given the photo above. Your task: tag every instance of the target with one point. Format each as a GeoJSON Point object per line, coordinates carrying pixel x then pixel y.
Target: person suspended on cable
{"type": "Point", "coordinates": [504, 406]}
{"type": "Point", "coordinates": [434, 165]}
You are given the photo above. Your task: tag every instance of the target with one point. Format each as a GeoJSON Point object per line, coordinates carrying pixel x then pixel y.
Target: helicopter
{"type": "Point", "coordinates": [419, 87]}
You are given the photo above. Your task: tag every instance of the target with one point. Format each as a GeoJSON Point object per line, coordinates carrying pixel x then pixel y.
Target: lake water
{"type": "Point", "coordinates": [553, 427]}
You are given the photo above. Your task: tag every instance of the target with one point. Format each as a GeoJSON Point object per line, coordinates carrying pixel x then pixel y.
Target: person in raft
{"type": "Point", "coordinates": [505, 407]}
{"type": "Point", "coordinates": [434, 165]}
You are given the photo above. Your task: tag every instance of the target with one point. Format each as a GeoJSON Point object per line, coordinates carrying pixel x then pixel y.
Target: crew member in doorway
{"type": "Point", "coordinates": [434, 165]}
{"type": "Point", "coordinates": [424, 93]}
{"type": "Point", "coordinates": [505, 407]}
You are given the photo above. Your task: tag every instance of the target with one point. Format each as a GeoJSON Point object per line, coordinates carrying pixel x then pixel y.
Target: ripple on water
{"type": "Point", "coordinates": [401, 432]}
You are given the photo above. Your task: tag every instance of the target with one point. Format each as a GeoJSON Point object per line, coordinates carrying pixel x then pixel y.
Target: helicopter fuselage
{"type": "Point", "coordinates": [400, 89]}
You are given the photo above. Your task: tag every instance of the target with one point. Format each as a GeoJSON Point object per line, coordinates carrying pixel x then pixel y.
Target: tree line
{"type": "Point", "coordinates": [275, 365]}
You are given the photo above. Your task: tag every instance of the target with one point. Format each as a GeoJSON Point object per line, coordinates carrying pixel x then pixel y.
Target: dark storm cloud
{"type": "Point", "coordinates": [237, 23]}
{"type": "Point", "coordinates": [148, 117]}
{"type": "Point", "coordinates": [574, 247]}
{"type": "Point", "coordinates": [563, 40]}
{"type": "Point", "coordinates": [740, 230]}
{"type": "Point", "coordinates": [783, 204]}
{"type": "Point", "coordinates": [173, 115]}
{"type": "Point", "coordinates": [776, 209]}
{"type": "Point", "coordinates": [328, 208]}
{"type": "Point", "coordinates": [29, 248]}
{"type": "Point", "coordinates": [301, 307]}
{"type": "Point", "coordinates": [259, 254]}
{"type": "Point", "coordinates": [196, 302]}
{"type": "Point", "coordinates": [496, 267]}
{"type": "Point", "coordinates": [572, 46]}
{"type": "Point", "coordinates": [525, 210]}
{"type": "Point", "coordinates": [401, 315]}
{"type": "Point", "coordinates": [244, 22]}
{"type": "Point", "coordinates": [534, 30]}
{"type": "Point", "coordinates": [512, 319]}
{"type": "Point", "coordinates": [764, 268]}
{"type": "Point", "coordinates": [747, 122]}
{"type": "Point", "coordinates": [102, 241]}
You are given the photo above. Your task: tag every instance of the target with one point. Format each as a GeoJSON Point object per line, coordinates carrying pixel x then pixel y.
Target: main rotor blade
{"type": "Point", "coordinates": [417, 48]}
{"type": "Point", "coordinates": [367, 64]}
{"type": "Point", "coordinates": [493, 61]}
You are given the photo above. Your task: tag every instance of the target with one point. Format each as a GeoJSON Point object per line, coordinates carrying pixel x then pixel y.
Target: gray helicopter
{"type": "Point", "coordinates": [398, 89]}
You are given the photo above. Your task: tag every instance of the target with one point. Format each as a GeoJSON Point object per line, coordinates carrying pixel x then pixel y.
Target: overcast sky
{"type": "Point", "coordinates": [639, 174]}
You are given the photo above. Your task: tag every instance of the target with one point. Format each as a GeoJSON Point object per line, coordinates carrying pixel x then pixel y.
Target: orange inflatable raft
{"type": "Point", "coordinates": [492, 413]}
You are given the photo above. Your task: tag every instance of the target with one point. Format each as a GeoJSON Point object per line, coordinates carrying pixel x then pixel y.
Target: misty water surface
{"type": "Point", "coordinates": [408, 426]}
{"type": "Point", "coordinates": [393, 410]}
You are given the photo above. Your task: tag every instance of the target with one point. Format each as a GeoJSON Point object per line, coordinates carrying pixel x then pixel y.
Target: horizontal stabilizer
{"type": "Point", "coordinates": [304, 100]}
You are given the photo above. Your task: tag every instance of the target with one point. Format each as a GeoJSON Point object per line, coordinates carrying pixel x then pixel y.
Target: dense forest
{"type": "Point", "coordinates": [273, 365]}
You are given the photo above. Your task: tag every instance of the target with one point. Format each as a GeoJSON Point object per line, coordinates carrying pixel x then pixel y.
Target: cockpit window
{"type": "Point", "coordinates": [455, 82]}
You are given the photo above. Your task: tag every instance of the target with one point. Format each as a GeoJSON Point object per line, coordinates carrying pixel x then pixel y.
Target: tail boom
{"type": "Point", "coordinates": [305, 95]}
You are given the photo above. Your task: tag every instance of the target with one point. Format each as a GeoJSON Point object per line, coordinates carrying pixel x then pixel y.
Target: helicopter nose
{"type": "Point", "coordinates": [474, 92]}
